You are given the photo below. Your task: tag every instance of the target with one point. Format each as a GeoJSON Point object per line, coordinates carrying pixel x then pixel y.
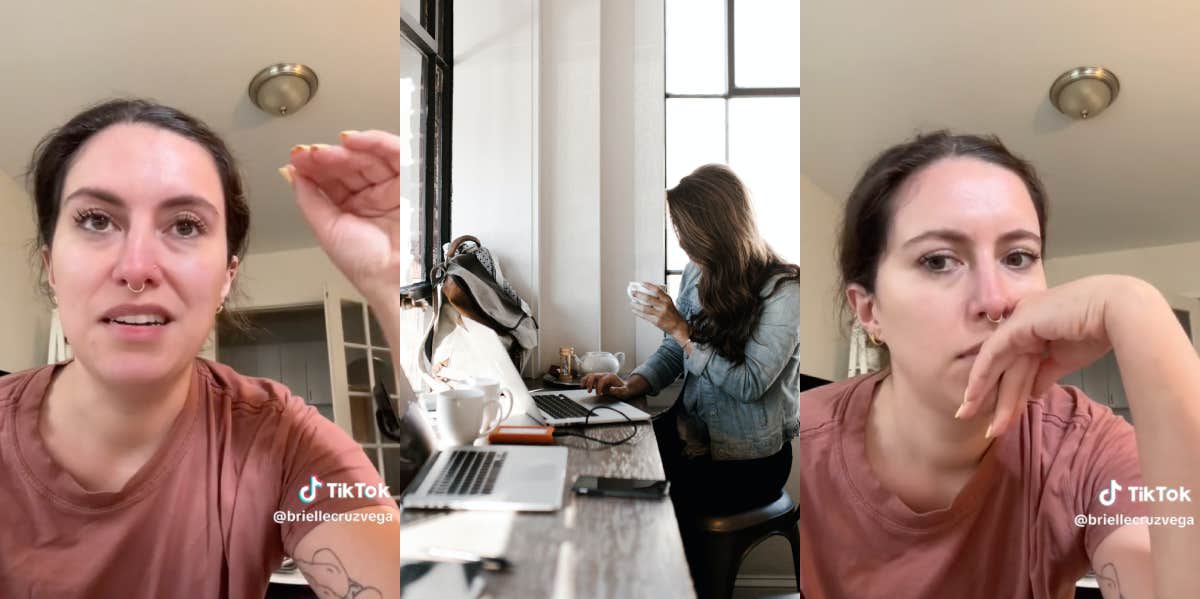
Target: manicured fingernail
{"type": "Point", "coordinates": [286, 174]}
{"type": "Point", "coordinates": [960, 411]}
{"type": "Point", "coordinates": [316, 147]}
{"type": "Point", "coordinates": [988, 433]}
{"type": "Point", "coordinates": [347, 133]}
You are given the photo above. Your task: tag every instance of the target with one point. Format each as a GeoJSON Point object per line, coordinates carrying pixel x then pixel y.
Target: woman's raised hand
{"type": "Point", "coordinates": [350, 196]}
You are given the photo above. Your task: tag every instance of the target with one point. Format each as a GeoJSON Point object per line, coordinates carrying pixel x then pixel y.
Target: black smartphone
{"type": "Point", "coordinates": [621, 487]}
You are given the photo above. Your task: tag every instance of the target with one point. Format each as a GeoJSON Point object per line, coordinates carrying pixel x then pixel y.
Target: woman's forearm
{"type": "Point", "coordinates": [637, 385]}
{"type": "Point", "coordinates": [1161, 375]}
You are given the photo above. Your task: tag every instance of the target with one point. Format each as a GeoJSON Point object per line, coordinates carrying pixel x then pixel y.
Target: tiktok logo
{"type": "Point", "coordinates": [1109, 495]}
{"type": "Point", "coordinates": [308, 492]}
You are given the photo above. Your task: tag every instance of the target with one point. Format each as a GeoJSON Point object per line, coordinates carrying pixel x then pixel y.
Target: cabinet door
{"type": "Point", "coordinates": [1116, 389]}
{"type": "Point", "coordinates": [359, 362]}
{"type": "Point", "coordinates": [1075, 379]}
{"type": "Point", "coordinates": [1187, 310]}
{"type": "Point", "coordinates": [1095, 380]}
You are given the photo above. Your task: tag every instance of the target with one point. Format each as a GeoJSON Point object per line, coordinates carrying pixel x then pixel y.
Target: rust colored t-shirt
{"type": "Point", "coordinates": [196, 520]}
{"type": "Point", "coordinates": [1009, 534]}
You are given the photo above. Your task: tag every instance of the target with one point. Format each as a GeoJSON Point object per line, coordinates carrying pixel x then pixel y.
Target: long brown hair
{"type": "Point", "coordinates": [711, 211]}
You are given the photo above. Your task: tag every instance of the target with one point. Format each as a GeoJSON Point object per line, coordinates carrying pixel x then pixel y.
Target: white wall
{"type": "Point", "coordinates": [494, 179]}
{"type": "Point", "coordinates": [558, 160]}
{"type": "Point", "coordinates": [824, 349]}
{"type": "Point", "coordinates": [1171, 268]}
{"type": "Point", "coordinates": [24, 315]}
{"type": "Point", "coordinates": [288, 278]}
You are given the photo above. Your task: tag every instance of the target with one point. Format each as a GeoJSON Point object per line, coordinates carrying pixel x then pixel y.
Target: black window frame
{"type": "Point", "coordinates": [731, 91]}
{"type": "Point", "coordinates": [432, 33]}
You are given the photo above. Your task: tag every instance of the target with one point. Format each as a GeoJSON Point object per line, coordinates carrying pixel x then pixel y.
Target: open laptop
{"type": "Point", "coordinates": [575, 408]}
{"type": "Point", "coordinates": [495, 477]}
{"type": "Point", "coordinates": [560, 408]}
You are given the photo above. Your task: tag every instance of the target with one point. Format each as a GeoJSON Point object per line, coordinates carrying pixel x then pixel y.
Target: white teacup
{"type": "Point", "coordinates": [639, 287]}
{"type": "Point", "coordinates": [460, 416]}
{"type": "Point", "coordinates": [492, 392]}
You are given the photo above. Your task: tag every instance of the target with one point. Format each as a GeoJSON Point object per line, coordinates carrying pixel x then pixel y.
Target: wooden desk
{"type": "Point", "coordinates": [594, 547]}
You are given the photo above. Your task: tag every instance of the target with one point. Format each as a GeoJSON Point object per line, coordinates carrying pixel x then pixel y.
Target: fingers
{"type": "Point", "coordinates": [995, 357]}
{"type": "Point", "coordinates": [317, 209]}
{"type": "Point", "coordinates": [382, 145]}
{"type": "Point", "coordinates": [1014, 388]}
{"type": "Point", "coordinates": [1049, 373]}
{"type": "Point", "coordinates": [653, 300]}
{"type": "Point", "coordinates": [326, 166]}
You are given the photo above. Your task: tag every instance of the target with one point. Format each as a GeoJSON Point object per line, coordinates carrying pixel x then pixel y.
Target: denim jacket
{"type": "Point", "coordinates": [745, 411]}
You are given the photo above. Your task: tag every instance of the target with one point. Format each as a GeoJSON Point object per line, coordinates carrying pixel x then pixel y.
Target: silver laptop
{"type": "Point", "coordinates": [495, 477]}
{"type": "Point", "coordinates": [571, 407]}
{"type": "Point", "coordinates": [578, 407]}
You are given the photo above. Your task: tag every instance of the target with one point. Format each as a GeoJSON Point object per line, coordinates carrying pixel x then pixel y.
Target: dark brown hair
{"type": "Point", "coordinates": [55, 155]}
{"type": "Point", "coordinates": [869, 209]}
{"type": "Point", "coordinates": [712, 212]}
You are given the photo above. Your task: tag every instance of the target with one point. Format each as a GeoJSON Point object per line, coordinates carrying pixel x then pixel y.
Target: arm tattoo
{"type": "Point", "coordinates": [1110, 584]}
{"type": "Point", "coordinates": [329, 579]}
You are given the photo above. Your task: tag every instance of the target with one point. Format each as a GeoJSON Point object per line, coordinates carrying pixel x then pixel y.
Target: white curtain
{"type": "Point", "coordinates": [864, 357]}
{"type": "Point", "coordinates": [59, 350]}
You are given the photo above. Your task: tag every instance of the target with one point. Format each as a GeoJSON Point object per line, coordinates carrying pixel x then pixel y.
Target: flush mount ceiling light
{"type": "Point", "coordinates": [1084, 92]}
{"type": "Point", "coordinates": [283, 88]}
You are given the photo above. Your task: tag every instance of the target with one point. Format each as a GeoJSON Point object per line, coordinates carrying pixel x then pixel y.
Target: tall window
{"type": "Point", "coordinates": [426, 75]}
{"type": "Point", "coordinates": [733, 97]}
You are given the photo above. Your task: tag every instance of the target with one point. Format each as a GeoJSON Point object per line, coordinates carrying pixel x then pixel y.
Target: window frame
{"type": "Point", "coordinates": [437, 85]}
{"type": "Point", "coordinates": [731, 91]}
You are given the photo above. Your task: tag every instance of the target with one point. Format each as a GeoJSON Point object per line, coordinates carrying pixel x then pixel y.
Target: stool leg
{"type": "Point", "coordinates": [793, 537]}
{"type": "Point", "coordinates": [721, 559]}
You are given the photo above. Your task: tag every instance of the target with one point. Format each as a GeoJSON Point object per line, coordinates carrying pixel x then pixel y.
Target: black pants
{"type": "Point", "coordinates": [703, 486]}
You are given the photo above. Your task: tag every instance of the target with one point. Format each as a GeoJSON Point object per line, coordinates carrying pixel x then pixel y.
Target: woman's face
{"type": "Point", "coordinates": [963, 244]}
{"type": "Point", "coordinates": [141, 209]}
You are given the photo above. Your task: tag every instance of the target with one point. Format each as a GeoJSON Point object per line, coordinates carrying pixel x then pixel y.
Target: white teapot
{"type": "Point", "coordinates": [600, 361]}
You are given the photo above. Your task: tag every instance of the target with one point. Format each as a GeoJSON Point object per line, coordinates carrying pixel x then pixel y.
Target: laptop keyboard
{"type": "Point", "coordinates": [469, 473]}
{"type": "Point", "coordinates": [558, 406]}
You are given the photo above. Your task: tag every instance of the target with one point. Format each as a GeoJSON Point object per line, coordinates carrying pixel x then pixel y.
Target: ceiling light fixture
{"type": "Point", "coordinates": [283, 88]}
{"type": "Point", "coordinates": [1084, 92]}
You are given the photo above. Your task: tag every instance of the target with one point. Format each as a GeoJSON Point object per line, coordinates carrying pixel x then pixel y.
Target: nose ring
{"type": "Point", "coordinates": [997, 320]}
{"type": "Point", "coordinates": [139, 289]}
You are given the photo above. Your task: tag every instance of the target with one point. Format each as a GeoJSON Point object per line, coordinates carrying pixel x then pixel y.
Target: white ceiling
{"type": "Point", "coordinates": [59, 57]}
{"type": "Point", "coordinates": [874, 73]}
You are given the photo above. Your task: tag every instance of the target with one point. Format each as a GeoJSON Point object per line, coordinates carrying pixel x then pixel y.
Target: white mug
{"type": "Point", "coordinates": [637, 286]}
{"type": "Point", "coordinates": [460, 416]}
{"type": "Point", "coordinates": [492, 392]}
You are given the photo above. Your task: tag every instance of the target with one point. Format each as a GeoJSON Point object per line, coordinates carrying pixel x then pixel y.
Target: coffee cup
{"type": "Point", "coordinates": [460, 415]}
{"type": "Point", "coordinates": [492, 392]}
{"type": "Point", "coordinates": [641, 288]}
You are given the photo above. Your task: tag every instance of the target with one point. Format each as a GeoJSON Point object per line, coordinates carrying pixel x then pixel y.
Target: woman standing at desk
{"type": "Point", "coordinates": [734, 335]}
{"type": "Point", "coordinates": [962, 469]}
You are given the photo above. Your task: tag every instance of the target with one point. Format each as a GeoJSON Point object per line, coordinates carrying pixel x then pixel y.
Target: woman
{"type": "Point", "coordinates": [734, 336]}
{"type": "Point", "coordinates": [138, 470]}
{"type": "Point", "coordinates": [962, 469]}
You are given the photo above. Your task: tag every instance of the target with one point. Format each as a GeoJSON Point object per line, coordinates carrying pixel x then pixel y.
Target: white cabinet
{"type": "Point", "coordinates": [333, 355]}
{"type": "Point", "coordinates": [1101, 380]}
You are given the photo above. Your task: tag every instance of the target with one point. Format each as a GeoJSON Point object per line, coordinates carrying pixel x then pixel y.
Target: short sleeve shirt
{"type": "Point", "coordinates": [197, 520]}
{"type": "Point", "coordinates": [1011, 531]}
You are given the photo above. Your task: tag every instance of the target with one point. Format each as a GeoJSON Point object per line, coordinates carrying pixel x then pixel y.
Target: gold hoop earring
{"type": "Point", "coordinates": [874, 340]}
{"type": "Point", "coordinates": [220, 308]}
